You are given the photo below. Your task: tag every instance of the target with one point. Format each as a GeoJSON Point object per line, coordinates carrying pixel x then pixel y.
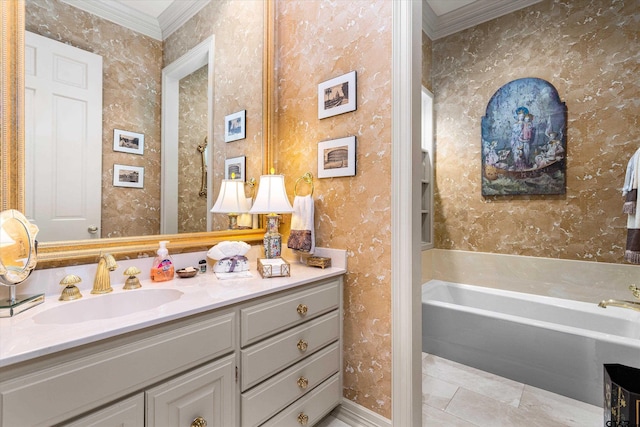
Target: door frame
{"type": "Point", "coordinates": [406, 343]}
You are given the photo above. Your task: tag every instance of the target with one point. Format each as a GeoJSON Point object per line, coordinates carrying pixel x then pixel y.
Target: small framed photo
{"type": "Point", "coordinates": [128, 142]}
{"type": "Point", "coordinates": [337, 157]}
{"type": "Point", "coordinates": [337, 96]}
{"type": "Point", "coordinates": [234, 168]}
{"type": "Point", "coordinates": [235, 126]}
{"type": "Point", "coordinates": [128, 176]}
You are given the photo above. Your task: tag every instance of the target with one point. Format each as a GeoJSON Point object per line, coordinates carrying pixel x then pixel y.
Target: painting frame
{"type": "Point", "coordinates": [128, 142]}
{"type": "Point", "coordinates": [128, 176]}
{"type": "Point", "coordinates": [337, 91]}
{"type": "Point", "coordinates": [337, 157]}
{"type": "Point", "coordinates": [235, 126]}
{"type": "Point", "coordinates": [233, 164]}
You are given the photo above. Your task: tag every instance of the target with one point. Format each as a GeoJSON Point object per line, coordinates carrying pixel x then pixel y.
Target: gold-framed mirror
{"type": "Point", "coordinates": [12, 188]}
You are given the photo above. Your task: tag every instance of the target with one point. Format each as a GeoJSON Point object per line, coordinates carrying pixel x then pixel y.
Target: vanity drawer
{"type": "Point", "coordinates": [276, 353]}
{"type": "Point", "coordinates": [263, 320]}
{"type": "Point", "coordinates": [268, 398]}
{"type": "Point", "coordinates": [312, 407]}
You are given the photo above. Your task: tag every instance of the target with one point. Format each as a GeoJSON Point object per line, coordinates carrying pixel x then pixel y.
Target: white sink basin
{"type": "Point", "coordinates": [107, 306]}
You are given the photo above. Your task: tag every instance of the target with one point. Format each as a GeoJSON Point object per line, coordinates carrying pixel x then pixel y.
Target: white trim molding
{"type": "Point", "coordinates": [178, 13]}
{"type": "Point", "coordinates": [436, 27]}
{"type": "Point", "coordinates": [356, 415]}
{"type": "Point", "coordinates": [406, 378]}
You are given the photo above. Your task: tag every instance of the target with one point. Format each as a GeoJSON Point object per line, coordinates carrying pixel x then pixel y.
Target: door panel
{"type": "Point", "coordinates": [63, 134]}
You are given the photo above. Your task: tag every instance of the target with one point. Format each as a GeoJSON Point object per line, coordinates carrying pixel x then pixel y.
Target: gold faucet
{"type": "Point", "coordinates": [102, 281]}
{"type": "Point", "coordinates": [633, 305]}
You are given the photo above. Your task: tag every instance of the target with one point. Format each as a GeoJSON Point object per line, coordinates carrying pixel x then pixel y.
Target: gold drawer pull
{"type": "Point", "coordinates": [303, 418]}
{"type": "Point", "coordinates": [302, 309]}
{"type": "Point", "coordinates": [303, 383]}
{"type": "Point", "coordinates": [199, 422]}
{"type": "Point", "coordinates": [302, 345]}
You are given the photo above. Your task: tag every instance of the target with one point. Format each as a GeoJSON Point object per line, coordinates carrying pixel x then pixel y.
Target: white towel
{"type": "Point", "coordinates": [302, 237]}
{"type": "Point", "coordinates": [630, 191]}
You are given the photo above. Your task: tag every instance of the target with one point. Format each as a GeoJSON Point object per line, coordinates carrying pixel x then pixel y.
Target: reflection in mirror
{"type": "Point", "coordinates": [17, 260]}
{"type": "Point", "coordinates": [240, 17]}
{"type": "Point", "coordinates": [131, 70]}
{"type": "Point", "coordinates": [186, 100]}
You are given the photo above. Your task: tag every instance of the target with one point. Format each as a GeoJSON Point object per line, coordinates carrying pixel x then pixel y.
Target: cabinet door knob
{"type": "Point", "coordinates": [302, 345]}
{"type": "Point", "coordinates": [302, 309]}
{"type": "Point", "coordinates": [303, 383]}
{"type": "Point", "coordinates": [303, 418]}
{"type": "Point", "coordinates": [199, 422]}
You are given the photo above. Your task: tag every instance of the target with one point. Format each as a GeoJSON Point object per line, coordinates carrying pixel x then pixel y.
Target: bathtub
{"type": "Point", "coordinates": [550, 343]}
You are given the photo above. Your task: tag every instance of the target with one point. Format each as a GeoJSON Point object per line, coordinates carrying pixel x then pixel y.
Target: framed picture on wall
{"type": "Point", "coordinates": [128, 176]}
{"type": "Point", "coordinates": [234, 168]}
{"type": "Point", "coordinates": [235, 126]}
{"type": "Point", "coordinates": [337, 157]}
{"type": "Point", "coordinates": [337, 96]}
{"type": "Point", "coordinates": [128, 142]}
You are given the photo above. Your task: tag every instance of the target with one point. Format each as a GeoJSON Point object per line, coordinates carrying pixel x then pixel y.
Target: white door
{"type": "Point", "coordinates": [63, 138]}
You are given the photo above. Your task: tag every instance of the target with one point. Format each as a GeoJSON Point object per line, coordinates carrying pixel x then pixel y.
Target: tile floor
{"type": "Point", "coordinates": [456, 395]}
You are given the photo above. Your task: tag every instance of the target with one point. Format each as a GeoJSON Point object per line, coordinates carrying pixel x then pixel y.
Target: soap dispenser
{"type": "Point", "coordinates": [162, 268]}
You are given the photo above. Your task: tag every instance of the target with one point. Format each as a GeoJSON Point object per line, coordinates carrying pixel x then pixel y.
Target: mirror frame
{"type": "Point", "coordinates": [12, 186]}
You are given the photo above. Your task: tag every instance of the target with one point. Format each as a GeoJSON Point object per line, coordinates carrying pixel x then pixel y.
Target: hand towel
{"type": "Point", "coordinates": [302, 237]}
{"type": "Point", "coordinates": [630, 191]}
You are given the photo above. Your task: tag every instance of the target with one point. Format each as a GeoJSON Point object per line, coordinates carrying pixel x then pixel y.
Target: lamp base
{"type": "Point", "coordinates": [233, 221]}
{"type": "Point", "coordinates": [272, 239]}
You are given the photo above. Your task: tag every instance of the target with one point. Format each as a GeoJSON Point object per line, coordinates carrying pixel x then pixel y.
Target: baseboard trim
{"type": "Point", "coordinates": [358, 416]}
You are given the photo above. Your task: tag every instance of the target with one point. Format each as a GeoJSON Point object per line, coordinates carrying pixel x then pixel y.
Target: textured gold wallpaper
{"type": "Point", "coordinates": [589, 50]}
{"type": "Point", "coordinates": [132, 65]}
{"type": "Point", "coordinates": [317, 41]}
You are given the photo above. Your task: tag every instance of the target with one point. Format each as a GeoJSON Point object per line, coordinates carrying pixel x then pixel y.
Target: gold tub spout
{"type": "Point", "coordinates": [102, 281]}
{"type": "Point", "coordinates": [633, 305]}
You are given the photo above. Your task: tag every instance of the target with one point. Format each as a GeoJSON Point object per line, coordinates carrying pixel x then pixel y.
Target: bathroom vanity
{"type": "Point", "coordinates": [238, 352]}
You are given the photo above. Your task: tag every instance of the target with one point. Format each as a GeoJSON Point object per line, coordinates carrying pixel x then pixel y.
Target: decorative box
{"type": "Point", "coordinates": [319, 261]}
{"type": "Point", "coordinates": [273, 267]}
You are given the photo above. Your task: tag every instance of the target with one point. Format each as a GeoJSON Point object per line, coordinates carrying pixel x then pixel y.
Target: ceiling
{"type": "Point", "coordinates": [159, 18]}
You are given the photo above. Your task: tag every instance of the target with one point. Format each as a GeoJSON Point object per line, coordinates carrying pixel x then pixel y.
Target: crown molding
{"type": "Point", "coordinates": [436, 27]}
{"type": "Point", "coordinates": [177, 14]}
{"type": "Point", "coordinates": [170, 20]}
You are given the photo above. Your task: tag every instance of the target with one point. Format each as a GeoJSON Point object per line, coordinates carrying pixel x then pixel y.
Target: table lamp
{"type": "Point", "coordinates": [231, 200]}
{"type": "Point", "coordinates": [272, 200]}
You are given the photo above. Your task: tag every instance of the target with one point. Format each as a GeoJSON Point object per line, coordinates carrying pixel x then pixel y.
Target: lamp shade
{"type": "Point", "coordinates": [231, 198]}
{"type": "Point", "coordinates": [272, 196]}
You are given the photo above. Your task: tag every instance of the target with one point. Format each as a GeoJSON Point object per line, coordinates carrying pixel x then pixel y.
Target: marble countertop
{"type": "Point", "coordinates": [23, 337]}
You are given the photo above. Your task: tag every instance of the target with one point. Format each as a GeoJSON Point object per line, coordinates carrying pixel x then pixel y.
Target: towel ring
{"type": "Point", "coordinates": [308, 178]}
{"type": "Point", "coordinates": [252, 184]}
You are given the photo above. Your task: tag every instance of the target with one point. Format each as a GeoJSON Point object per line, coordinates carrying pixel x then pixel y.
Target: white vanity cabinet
{"type": "Point", "coordinates": [205, 394]}
{"type": "Point", "coordinates": [291, 352]}
{"type": "Point", "coordinates": [272, 358]}
{"type": "Point", "coordinates": [67, 384]}
{"type": "Point", "coordinates": [127, 413]}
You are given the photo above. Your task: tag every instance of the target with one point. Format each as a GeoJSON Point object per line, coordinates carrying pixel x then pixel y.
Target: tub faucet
{"type": "Point", "coordinates": [102, 281]}
{"type": "Point", "coordinates": [633, 305]}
